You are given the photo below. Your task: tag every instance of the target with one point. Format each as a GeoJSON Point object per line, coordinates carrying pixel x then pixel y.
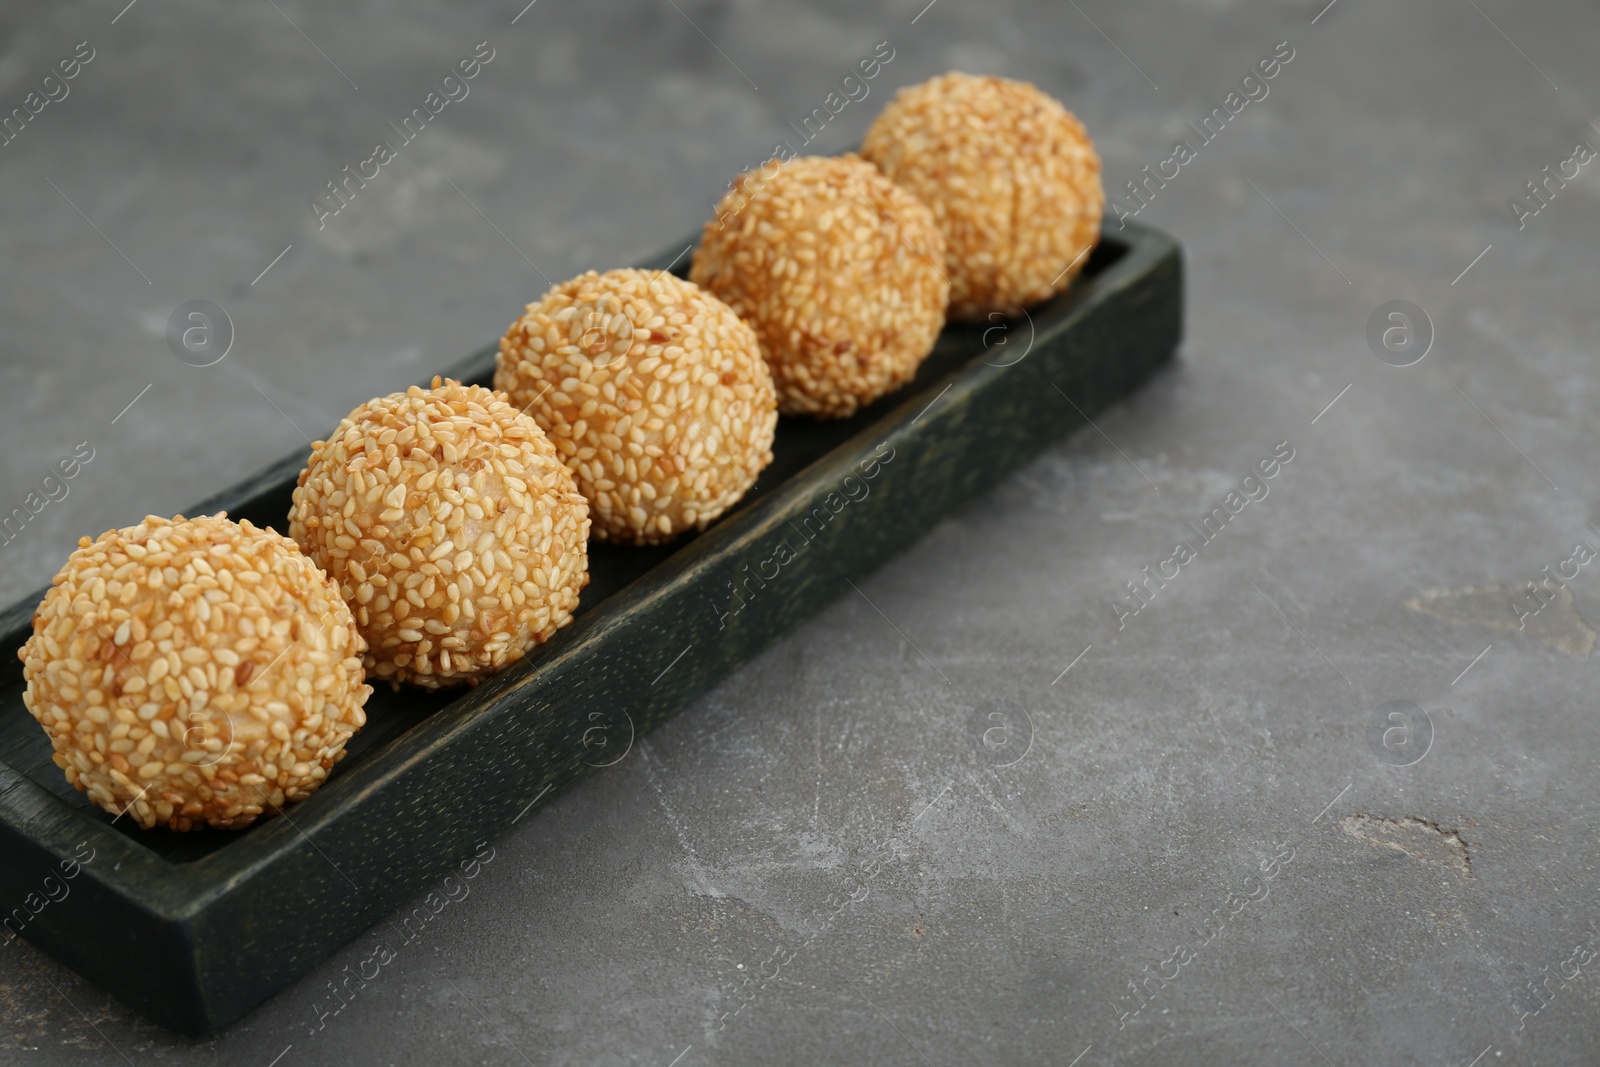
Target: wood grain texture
{"type": "Point", "coordinates": [196, 929]}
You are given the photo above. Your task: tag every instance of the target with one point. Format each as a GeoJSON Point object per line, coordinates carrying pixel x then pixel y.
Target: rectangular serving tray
{"type": "Point", "coordinates": [196, 929]}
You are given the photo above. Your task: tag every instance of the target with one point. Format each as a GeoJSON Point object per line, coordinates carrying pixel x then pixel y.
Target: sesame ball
{"type": "Point", "coordinates": [1011, 176]}
{"type": "Point", "coordinates": [654, 392]}
{"type": "Point", "coordinates": [840, 272]}
{"type": "Point", "coordinates": [194, 672]}
{"type": "Point", "coordinates": [451, 528]}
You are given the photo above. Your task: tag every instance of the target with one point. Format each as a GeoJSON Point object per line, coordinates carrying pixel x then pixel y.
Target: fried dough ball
{"type": "Point", "coordinates": [454, 531]}
{"type": "Point", "coordinates": [654, 392]}
{"type": "Point", "coordinates": [1011, 177]}
{"type": "Point", "coordinates": [194, 672]}
{"type": "Point", "coordinates": [840, 272]}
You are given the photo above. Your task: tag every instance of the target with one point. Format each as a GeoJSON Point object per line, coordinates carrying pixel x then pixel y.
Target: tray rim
{"type": "Point", "coordinates": [179, 892]}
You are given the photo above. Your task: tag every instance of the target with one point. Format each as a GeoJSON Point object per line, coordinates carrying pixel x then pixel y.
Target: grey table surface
{"type": "Point", "coordinates": [815, 863]}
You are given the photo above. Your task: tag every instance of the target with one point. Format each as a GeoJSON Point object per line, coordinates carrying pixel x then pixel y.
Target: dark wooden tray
{"type": "Point", "coordinates": [196, 929]}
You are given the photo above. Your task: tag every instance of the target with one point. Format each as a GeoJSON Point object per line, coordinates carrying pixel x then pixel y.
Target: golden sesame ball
{"type": "Point", "coordinates": [1011, 176]}
{"type": "Point", "coordinates": [451, 527]}
{"type": "Point", "coordinates": [194, 672]}
{"type": "Point", "coordinates": [840, 272]}
{"type": "Point", "coordinates": [654, 392]}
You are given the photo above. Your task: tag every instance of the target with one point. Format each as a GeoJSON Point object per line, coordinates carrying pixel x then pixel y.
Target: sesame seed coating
{"type": "Point", "coordinates": [1011, 176]}
{"type": "Point", "coordinates": [839, 271]}
{"type": "Point", "coordinates": [452, 530]}
{"type": "Point", "coordinates": [194, 672]}
{"type": "Point", "coordinates": [654, 392]}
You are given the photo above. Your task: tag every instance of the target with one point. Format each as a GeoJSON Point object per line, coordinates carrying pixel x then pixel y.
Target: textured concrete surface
{"type": "Point", "coordinates": [830, 859]}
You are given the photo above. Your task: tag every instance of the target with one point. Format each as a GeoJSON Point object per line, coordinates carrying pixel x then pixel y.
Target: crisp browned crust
{"type": "Point", "coordinates": [840, 272]}
{"type": "Point", "coordinates": [452, 528]}
{"type": "Point", "coordinates": [1011, 177]}
{"type": "Point", "coordinates": [654, 393]}
{"type": "Point", "coordinates": [194, 672]}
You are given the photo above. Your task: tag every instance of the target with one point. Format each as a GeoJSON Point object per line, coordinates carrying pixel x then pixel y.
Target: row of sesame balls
{"type": "Point", "coordinates": [195, 672]}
